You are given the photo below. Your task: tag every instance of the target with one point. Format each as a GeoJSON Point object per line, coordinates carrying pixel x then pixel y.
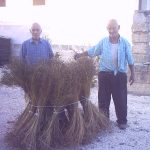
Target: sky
{"type": "Point", "coordinates": [81, 22]}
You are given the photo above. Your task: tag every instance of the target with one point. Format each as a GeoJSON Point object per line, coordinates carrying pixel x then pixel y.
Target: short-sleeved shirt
{"type": "Point", "coordinates": [103, 51]}
{"type": "Point", "coordinates": [33, 52]}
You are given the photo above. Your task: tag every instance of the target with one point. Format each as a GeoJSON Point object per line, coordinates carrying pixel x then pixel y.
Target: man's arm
{"type": "Point", "coordinates": [132, 75]}
{"type": "Point", "coordinates": [92, 52]}
{"type": "Point", "coordinates": [130, 62]}
{"type": "Point", "coordinates": [78, 55]}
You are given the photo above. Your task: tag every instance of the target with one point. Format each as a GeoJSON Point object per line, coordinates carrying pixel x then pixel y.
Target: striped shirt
{"type": "Point", "coordinates": [32, 52]}
{"type": "Point", "coordinates": [103, 51]}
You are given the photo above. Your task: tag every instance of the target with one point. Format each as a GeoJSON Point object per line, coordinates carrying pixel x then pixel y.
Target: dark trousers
{"type": "Point", "coordinates": [115, 86]}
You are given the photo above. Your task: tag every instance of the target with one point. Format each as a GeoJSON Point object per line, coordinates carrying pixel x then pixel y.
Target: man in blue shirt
{"type": "Point", "coordinates": [36, 49]}
{"type": "Point", "coordinates": [115, 53]}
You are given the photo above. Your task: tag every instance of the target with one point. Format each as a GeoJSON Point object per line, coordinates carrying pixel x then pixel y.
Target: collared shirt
{"type": "Point", "coordinates": [103, 51]}
{"type": "Point", "coordinates": [33, 52]}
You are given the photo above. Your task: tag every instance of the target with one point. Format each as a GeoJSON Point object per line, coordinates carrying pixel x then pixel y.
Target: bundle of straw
{"type": "Point", "coordinates": [19, 74]}
{"type": "Point", "coordinates": [53, 115]}
{"type": "Point", "coordinates": [52, 133]}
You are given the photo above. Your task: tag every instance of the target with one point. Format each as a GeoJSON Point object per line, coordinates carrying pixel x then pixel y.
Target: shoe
{"type": "Point", "coordinates": [122, 126]}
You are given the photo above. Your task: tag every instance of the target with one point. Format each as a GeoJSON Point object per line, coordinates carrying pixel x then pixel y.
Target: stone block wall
{"type": "Point", "coordinates": [142, 80]}
{"type": "Point", "coordinates": [141, 52]}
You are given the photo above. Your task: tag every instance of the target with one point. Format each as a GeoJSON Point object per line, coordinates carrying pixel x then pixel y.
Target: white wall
{"type": "Point", "coordinates": [80, 22]}
{"type": "Point", "coordinates": [17, 34]}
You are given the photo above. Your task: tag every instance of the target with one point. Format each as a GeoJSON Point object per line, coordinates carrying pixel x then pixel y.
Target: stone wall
{"type": "Point", "coordinates": [66, 52]}
{"type": "Point", "coordinates": [141, 52]}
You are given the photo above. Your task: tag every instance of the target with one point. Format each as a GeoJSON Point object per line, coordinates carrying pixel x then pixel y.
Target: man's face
{"type": "Point", "coordinates": [36, 31]}
{"type": "Point", "coordinates": [113, 29]}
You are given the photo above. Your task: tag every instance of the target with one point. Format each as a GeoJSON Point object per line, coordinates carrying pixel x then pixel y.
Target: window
{"type": "Point", "coordinates": [2, 3]}
{"type": "Point", "coordinates": [38, 2]}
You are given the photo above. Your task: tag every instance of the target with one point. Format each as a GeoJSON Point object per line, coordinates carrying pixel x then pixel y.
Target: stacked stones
{"type": "Point", "coordinates": [141, 52]}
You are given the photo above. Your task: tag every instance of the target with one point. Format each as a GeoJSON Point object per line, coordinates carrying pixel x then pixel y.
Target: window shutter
{"type": "Point", "coordinates": [38, 2]}
{"type": "Point", "coordinates": [2, 3]}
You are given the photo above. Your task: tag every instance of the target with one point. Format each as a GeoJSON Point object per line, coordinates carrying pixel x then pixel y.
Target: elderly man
{"type": "Point", "coordinates": [36, 48]}
{"type": "Point", "coordinates": [115, 53]}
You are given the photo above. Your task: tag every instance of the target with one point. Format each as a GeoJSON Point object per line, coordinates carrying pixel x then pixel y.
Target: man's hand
{"type": "Point", "coordinates": [131, 79]}
{"type": "Point", "coordinates": [78, 55]}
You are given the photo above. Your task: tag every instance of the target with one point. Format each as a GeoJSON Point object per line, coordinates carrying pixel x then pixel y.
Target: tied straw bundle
{"type": "Point", "coordinates": [53, 116]}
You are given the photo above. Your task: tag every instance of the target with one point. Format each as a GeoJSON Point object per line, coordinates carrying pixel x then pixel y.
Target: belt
{"type": "Point", "coordinates": [107, 72]}
{"type": "Point", "coordinates": [111, 72]}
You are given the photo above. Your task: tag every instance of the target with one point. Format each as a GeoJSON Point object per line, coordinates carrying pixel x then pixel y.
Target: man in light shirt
{"type": "Point", "coordinates": [115, 56]}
